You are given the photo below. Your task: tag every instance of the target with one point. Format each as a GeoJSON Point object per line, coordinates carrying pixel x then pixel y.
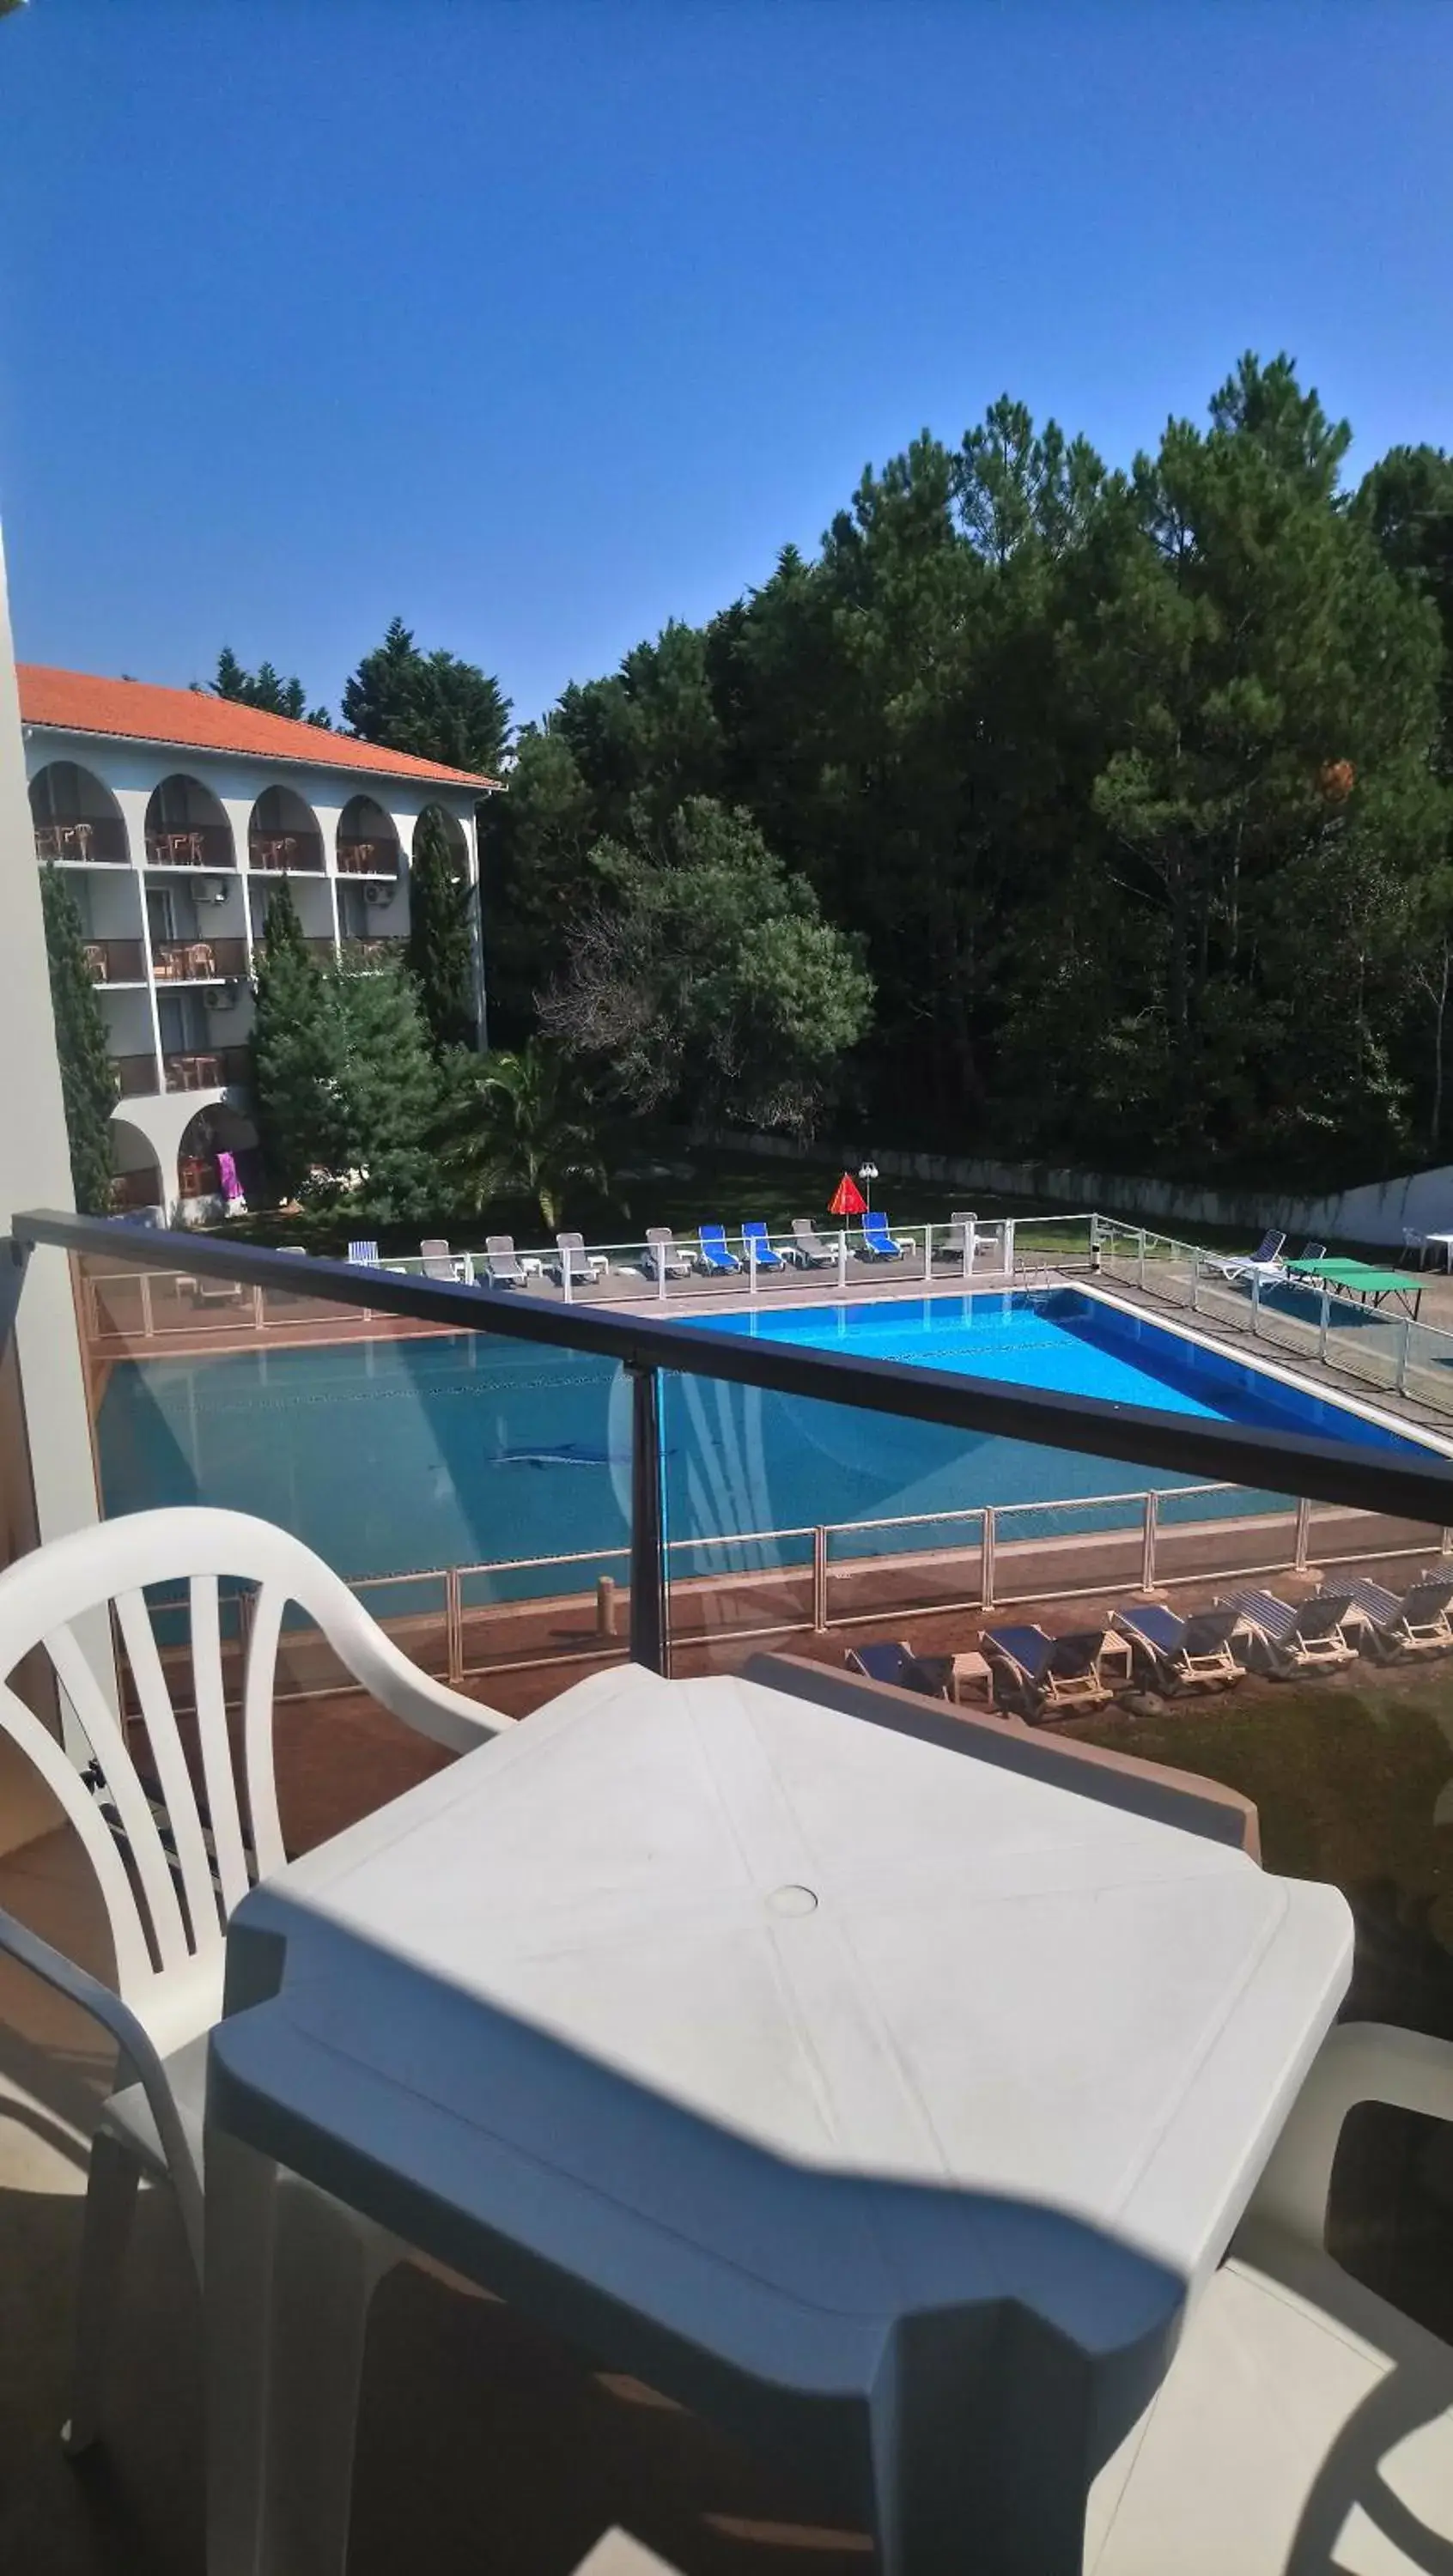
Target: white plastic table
{"type": "Point", "coordinates": [1445, 1241]}
{"type": "Point", "coordinates": [878, 2102]}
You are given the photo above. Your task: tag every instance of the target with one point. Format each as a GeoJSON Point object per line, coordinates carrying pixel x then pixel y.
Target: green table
{"type": "Point", "coordinates": [1364, 1280]}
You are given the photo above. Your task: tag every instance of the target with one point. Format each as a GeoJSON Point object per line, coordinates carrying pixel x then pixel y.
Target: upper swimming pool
{"type": "Point", "coordinates": [392, 1456]}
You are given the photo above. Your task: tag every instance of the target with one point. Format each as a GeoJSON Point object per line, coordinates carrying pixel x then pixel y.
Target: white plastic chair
{"type": "Point", "coordinates": [168, 1907]}
{"type": "Point", "coordinates": [1305, 2425]}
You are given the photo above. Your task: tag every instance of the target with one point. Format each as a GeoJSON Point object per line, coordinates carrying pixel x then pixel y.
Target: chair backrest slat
{"type": "Point", "coordinates": [264, 1632]}
{"type": "Point", "coordinates": [229, 1856]}
{"type": "Point", "coordinates": [179, 1795]}
{"type": "Point", "coordinates": [135, 1973]}
{"type": "Point", "coordinates": [103, 1734]}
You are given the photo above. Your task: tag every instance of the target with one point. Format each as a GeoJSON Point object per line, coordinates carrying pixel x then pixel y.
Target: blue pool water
{"type": "Point", "coordinates": [393, 1456]}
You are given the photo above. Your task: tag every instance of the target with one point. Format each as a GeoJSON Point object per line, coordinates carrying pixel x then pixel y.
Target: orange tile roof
{"type": "Point", "coordinates": [134, 711]}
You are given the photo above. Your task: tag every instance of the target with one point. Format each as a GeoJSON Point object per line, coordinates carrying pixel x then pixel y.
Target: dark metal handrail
{"type": "Point", "coordinates": [1327, 1471]}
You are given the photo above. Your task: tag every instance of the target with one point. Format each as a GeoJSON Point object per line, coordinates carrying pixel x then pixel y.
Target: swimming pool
{"type": "Point", "coordinates": [388, 1457]}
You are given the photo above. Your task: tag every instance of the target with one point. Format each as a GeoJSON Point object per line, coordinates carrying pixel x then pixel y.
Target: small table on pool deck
{"type": "Point", "coordinates": [1432, 1241]}
{"type": "Point", "coordinates": [876, 2099]}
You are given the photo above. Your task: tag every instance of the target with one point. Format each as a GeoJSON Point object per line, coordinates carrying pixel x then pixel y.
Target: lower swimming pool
{"type": "Point", "coordinates": [389, 1457]}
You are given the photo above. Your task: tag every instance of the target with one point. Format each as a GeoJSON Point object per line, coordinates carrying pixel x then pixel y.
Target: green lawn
{"type": "Point", "coordinates": [1353, 1782]}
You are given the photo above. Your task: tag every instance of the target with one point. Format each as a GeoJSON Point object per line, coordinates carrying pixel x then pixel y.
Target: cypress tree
{"type": "Point", "coordinates": [439, 955]}
{"type": "Point", "coordinates": [388, 1088]}
{"type": "Point", "coordinates": [298, 1053]}
{"type": "Point", "coordinates": [88, 1076]}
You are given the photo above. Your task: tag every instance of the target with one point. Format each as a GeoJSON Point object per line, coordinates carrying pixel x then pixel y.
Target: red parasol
{"type": "Point", "coordinates": [847, 1199]}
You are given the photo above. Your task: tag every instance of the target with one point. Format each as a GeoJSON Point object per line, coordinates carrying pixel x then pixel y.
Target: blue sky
{"type": "Point", "coordinates": [540, 323]}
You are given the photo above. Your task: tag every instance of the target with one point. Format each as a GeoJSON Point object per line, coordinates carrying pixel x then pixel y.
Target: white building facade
{"type": "Point", "coordinates": [173, 817]}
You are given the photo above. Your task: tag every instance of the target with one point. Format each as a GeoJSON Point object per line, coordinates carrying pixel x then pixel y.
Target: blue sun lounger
{"type": "Point", "coordinates": [364, 1253]}
{"type": "Point", "coordinates": [754, 1233]}
{"type": "Point", "coordinates": [878, 1243]}
{"type": "Point", "coordinates": [714, 1253]}
{"type": "Point", "coordinates": [893, 1661]}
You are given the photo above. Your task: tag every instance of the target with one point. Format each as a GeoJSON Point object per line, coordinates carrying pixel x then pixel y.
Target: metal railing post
{"type": "Point", "coordinates": [1302, 1541]}
{"type": "Point", "coordinates": [928, 1252]}
{"type": "Point", "coordinates": [1326, 1319]}
{"type": "Point", "coordinates": [567, 1276]}
{"type": "Point", "coordinates": [661, 1274]}
{"type": "Point", "coordinates": [819, 1582]}
{"type": "Point", "coordinates": [1009, 1249]}
{"type": "Point", "coordinates": [751, 1265]}
{"type": "Point", "coordinates": [259, 1310]}
{"type": "Point", "coordinates": [1195, 1280]}
{"type": "Point", "coordinates": [986, 1559]}
{"type": "Point", "coordinates": [1140, 1241]}
{"type": "Point", "coordinates": [842, 1265]}
{"type": "Point", "coordinates": [1255, 1305]}
{"type": "Point", "coordinates": [147, 1326]}
{"type": "Point", "coordinates": [1406, 1345]}
{"type": "Point", "coordinates": [453, 1623]}
{"type": "Point", "coordinates": [971, 1246]}
{"type": "Point", "coordinates": [649, 1612]}
{"type": "Point", "coordinates": [1149, 1524]}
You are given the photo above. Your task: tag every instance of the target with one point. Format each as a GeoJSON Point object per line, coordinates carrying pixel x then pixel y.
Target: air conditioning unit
{"type": "Point", "coordinates": [378, 894]}
{"type": "Point", "coordinates": [223, 997]}
{"type": "Point", "coordinates": [211, 890]}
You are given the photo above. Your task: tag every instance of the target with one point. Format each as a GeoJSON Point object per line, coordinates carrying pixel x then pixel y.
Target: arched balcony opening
{"type": "Point", "coordinates": [372, 916]}
{"type": "Point", "coordinates": [215, 1130]}
{"type": "Point", "coordinates": [368, 845]}
{"type": "Point", "coordinates": [283, 838]}
{"type": "Point", "coordinates": [77, 821]}
{"type": "Point", "coordinates": [136, 1180]}
{"type": "Point", "coordinates": [186, 827]}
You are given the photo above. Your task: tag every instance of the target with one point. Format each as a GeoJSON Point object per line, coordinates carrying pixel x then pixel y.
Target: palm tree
{"type": "Point", "coordinates": [516, 1126]}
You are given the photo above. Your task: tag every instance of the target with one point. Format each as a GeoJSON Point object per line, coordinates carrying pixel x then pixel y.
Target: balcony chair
{"type": "Point", "coordinates": [364, 1253]}
{"type": "Point", "coordinates": [171, 1862]}
{"type": "Point", "coordinates": [1305, 2424]}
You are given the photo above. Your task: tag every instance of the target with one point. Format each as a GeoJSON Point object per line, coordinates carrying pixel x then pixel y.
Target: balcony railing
{"type": "Point", "coordinates": [199, 845]}
{"type": "Point", "coordinates": [206, 1072]}
{"type": "Point", "coordinates": [101, 840]}
{"type": "Point", "coordinates": [368, 858]}
{"type": "Point", "coordinates": [136, 1076]}
{"type": "Point", "coordinates": [136, 1190]}
{"type": "Point", "coordinates": [363, 955]}
{"type": "Point", "coordinates": [286, 853]}
{"type": "Point", "coordinates": [198, 961]}
{"type": "Point", "coordinates": [115, 961]}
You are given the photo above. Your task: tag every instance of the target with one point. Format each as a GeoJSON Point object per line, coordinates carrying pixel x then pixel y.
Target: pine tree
{"type": "Point", "coordinates": [88, 1076]}
{"type": "Point", "coordinates": [440, 955]}
{"type": "Point", "coordinates": [430, 704]}
{"type": "Point", "coordinates": [299, 1050]}
{"type": "Point", "coordinates": [265, 688]}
